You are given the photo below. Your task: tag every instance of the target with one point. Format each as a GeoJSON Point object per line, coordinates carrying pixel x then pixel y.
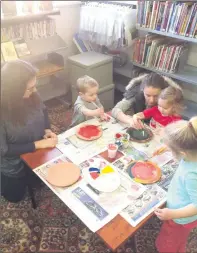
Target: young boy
{"type": "Point", "coordinates": [87, 104]}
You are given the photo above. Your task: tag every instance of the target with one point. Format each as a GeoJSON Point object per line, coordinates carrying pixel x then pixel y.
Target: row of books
{"type": "Point", "coordinates": [159, 52]}
{"type": "Point", "coordinates": [32, 30]}
{"type": "Point", "coordinates": [12, 50]}
{"type": "Point", "coordinates": [173, 17]}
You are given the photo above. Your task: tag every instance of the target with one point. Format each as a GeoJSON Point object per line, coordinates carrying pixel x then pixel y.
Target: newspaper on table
{"type": "Point", "coordinates": [132, 200]}
{"type": "Point", "coordinates": [95, 210]}
{"type": "Point", "coordinates": [73, 147]}
{"type": "Point", "coordinates": [139, 209]}
{"type": "Point", "coordinates": [168, 171]}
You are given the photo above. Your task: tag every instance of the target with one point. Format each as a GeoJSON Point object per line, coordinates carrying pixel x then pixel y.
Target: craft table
{"type": "Point", "coordinates": [115, 232]}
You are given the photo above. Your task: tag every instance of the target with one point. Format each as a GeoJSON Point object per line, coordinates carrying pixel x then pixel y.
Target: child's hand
{"type": "Point", "coordinates": [99, 112]}
{"type": "Point", "coordinates": [164, 214]}
{"type": "Point", "coordinates": [136, 122]}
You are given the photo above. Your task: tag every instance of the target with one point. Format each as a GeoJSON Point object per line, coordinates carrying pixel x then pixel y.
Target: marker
{"type": "Point", "coordinates": [93, 189]}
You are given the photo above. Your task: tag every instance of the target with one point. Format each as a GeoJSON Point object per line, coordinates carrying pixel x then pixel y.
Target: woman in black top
{"type": "Point", "coordinates": [24, 126]}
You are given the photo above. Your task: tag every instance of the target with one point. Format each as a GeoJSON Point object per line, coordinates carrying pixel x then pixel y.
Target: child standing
{"type": "Point", "coordinates": [87, 104]}
{"type": "Point", "coordinates": [170, 104]}
{"type": "Point", "coordinates": [180, 215]}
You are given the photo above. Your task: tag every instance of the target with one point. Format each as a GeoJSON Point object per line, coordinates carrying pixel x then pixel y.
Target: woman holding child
{"type": "Point", "coordinates": [24, 127]}
{"type": "Point", "coordinates": [143, 93]}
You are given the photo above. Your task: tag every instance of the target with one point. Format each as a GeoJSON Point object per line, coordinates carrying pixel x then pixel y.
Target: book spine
{"type": "Point", "coordinates": [147, 13]}
{"type": "Point", "coordinates": [174, 58]}
{"type": "Point", "coordinates": [142, 13]}
{"type": "Point", "coordinates": [164, 15]}
{"type": "Point", "coordinates": [165, 58]}
{"type": "Point", "coordinates": [138, 13]}
{"type": "Point", "coordinates": [194, 32]}
{"type": "Point", "coordinates": [177, 17]}
{"type": "Point", "coordinates": [147, 56]}
{"type": "Point", "coordinates": [160, 16]}
{"type": "Point", "coordinates": [152, 15]}
{"type": "Point", "coordinates": [170, 17]}
{"type": "Point", "coordinates": [144, 50]}
{"type": "Point", "coordinates": [162, 58]}
{"type": "Point", "coordinates": [177, 59]}
{"type": "Point", "coordinates": [191, 19]}
{"type": "Point", "coordinates": [193, 22]}
{"type": "Point", "coordinates": [156, 15]}
{"type": "Point", "coordinates": [156, 56]}
{"type": "Point", "coordinates": [158, 63]}
{"type": "Point", "coordinates": [182, 31]}
{"type": "Point", "coordinates": [173, 18]}
{"type": "Point", "coordinates": [183, 16]}
{"type": "Point", "coordinates": [169, 58]}
{"type": "Point", "coordinates": [186, 26]}
{"type": "Point", "coordinates": [180, 20]}
{"type": "Point", "coordinates": [141, 50]}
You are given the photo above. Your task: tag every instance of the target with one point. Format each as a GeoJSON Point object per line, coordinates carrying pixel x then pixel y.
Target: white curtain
{"type": "Point", "coordinates": [107, 24]}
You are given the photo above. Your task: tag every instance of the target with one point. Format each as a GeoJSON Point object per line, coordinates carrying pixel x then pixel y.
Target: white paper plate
{"type": "Point", "coordinates": [105, 182]}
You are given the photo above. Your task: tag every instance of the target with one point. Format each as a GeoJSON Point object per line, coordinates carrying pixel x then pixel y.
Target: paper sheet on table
{"type": "Point", "coordinates": [97, 210]}
{"type": "Point", "coordinates": [73, 147]}
{"type": "Point", "coordinates": [140, 208]}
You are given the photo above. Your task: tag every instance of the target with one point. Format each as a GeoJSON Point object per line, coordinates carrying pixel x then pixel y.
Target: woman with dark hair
{"type": "Point", "coordinates": [141, 93]}
{"type": "Point", "coordinates": [24, 126]}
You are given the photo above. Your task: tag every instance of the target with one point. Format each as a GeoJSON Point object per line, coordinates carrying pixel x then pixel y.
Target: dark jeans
{"type": "Point", "coordinates": [13, 189]}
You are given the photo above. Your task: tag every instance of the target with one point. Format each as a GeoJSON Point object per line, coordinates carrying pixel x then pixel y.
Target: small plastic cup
{"type": "Point", "coordinates": [112, 150]}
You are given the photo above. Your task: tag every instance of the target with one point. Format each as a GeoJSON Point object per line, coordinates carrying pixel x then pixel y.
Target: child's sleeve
{"type": "Point", "coordinates": [148, 113]}
{"type": "Point", "coordinates": [191, 187]}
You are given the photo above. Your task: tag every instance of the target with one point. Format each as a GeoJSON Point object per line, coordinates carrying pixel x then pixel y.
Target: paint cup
{"type": "Point", "coordinates": [112, 150]}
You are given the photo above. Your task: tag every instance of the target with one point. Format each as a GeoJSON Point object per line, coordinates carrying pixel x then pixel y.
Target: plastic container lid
{"type": "Point", "coordinates": [90, 59]}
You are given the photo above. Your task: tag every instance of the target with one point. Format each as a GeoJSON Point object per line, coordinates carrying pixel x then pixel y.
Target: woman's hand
{"type": "Point", "coordinates": [49, 134]}
{"type": "Point", "coordinates": [164, 214]}
{"type": "Point", "coordinates": [46, 143]}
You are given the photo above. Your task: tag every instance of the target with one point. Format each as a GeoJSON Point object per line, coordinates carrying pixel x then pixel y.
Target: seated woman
{"type": "Point", "coordinates": [24, 126]}
{"type": "Point", "coordinates": [141, 93]}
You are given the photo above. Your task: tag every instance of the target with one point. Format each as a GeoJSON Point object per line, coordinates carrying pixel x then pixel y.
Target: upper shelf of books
{"type": "Point", "coordinates": [176, 19]}
{"type": "Point", "coordinates": [176, 36]}
{"type": "Point", "coordinates": [27, 17]}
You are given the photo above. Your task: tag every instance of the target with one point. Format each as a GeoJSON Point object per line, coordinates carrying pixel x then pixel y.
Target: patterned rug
{"type": "Point", "coordinates": [53, 228]}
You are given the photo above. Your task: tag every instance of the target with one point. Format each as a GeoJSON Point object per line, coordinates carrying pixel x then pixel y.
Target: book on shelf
{"type": "Point", "coordinates": [83, 46]}
{"type": "Point", "coordinates": [174, 17]}
{"type": "Point", "coordinates": [8, 51]}
{"type": "Point", "coordinates": [21, 47]}
{"type": "Point", "coordinates": [30, 30]}
{"type": "Point", "coordinates": [155, 51]}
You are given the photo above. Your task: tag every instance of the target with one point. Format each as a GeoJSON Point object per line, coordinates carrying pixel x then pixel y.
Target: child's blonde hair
{"type": "Point", "coordinates": [182, 136]}
{"type": "Point", "coordinates": [174, 96]}
{"type": "Point", "coordinates": [85, 82]}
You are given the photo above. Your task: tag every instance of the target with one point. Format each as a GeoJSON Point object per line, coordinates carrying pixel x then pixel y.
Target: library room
{"type": "Point", "coordinates": [98, 126]}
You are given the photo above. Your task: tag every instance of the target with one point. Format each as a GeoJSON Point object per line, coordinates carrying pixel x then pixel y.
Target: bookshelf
{"type": "Point", "coordinates": [170, 19]}
{"type": "Point", "coordinates": [188, 74]}
{"type": "Point", "coordinates": [176, 36]}
{"type": "Point", "coordinates": [27, 17]}
{"type": "Point", "coordinates": [47, 53]}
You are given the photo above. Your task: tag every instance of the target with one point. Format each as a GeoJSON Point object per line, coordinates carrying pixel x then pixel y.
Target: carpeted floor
{"type": "Point", "coordinates": [53, 228]}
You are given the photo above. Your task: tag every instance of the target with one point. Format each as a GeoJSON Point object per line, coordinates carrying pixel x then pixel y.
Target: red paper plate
{"type": "Point", "coordinates": [144, 172]}
{"type": "Point", "coordinates": [63, 174]}
{"type": "Point", "coordinates": [89, 132]}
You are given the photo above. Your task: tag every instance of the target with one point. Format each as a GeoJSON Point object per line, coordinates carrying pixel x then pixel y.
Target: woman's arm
{"type": "Point", "coordinates": [13, 149]}
{"type": "Point", "coordinates": [118, 112]}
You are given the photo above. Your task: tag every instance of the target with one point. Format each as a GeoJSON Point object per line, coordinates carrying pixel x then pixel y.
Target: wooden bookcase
{"type": "Point", "coordinates": [47, 54]}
